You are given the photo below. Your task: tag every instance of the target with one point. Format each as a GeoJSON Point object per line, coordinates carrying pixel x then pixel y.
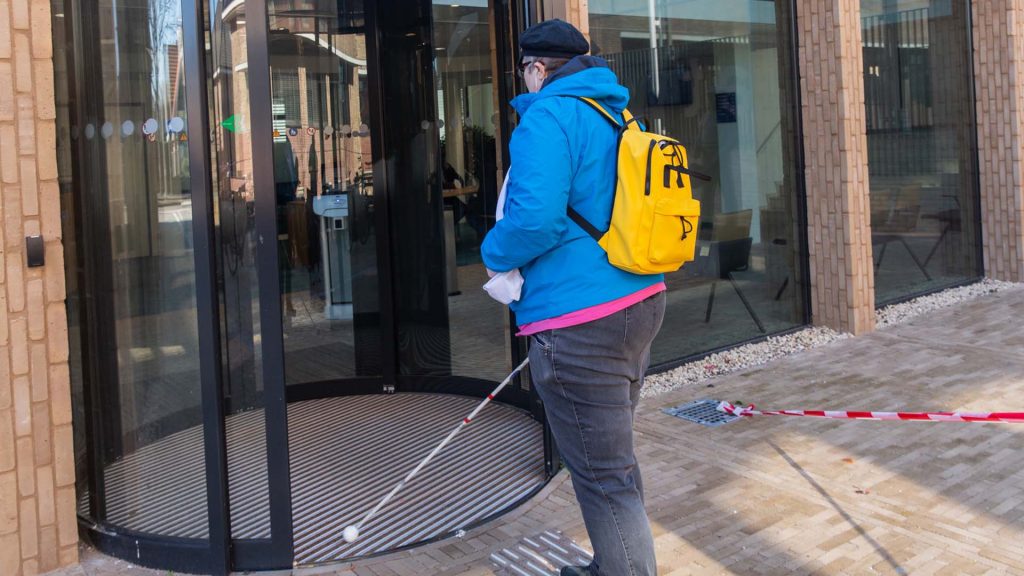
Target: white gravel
{"type": "Point", "coordinates": [900, 313]}
{"type": "Point", "coordinates": [775, 347]}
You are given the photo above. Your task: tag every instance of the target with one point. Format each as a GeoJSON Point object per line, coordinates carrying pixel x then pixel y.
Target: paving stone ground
{"type": "Point", "coordinates": [778, 495]}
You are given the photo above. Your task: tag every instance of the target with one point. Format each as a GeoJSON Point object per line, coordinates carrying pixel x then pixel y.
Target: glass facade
{"type": "Point", "coordinates": [922, 150]}
{"type": "Point", "coordinates": [344, 161]}
{"type": "Point", "coordinates": [717, 76]}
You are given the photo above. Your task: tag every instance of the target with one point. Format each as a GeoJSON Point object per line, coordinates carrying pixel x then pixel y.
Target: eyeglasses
{"type": "Point", "coordinates": [524, 65]}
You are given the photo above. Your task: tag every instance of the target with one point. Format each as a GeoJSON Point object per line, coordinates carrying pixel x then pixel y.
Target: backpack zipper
{"type": "Point", "coordinates": [650, 157]}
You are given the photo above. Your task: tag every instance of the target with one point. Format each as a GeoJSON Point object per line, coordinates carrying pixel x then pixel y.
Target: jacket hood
{"type": "Point", "coordinates": [583, 76]}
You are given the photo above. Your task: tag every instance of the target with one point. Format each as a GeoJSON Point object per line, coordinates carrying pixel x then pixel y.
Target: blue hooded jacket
{"type": "Point", "coordinates": [563, 153]}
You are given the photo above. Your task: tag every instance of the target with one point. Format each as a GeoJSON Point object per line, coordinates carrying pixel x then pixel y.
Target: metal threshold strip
{"type": "Point", "coordinates": [346, 453]}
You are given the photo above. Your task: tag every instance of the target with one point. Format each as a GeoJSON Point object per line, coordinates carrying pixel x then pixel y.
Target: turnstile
{"type": "Point", "coordinates": [335, 248]}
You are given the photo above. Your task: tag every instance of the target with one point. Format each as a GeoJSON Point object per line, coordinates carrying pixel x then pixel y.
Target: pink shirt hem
{"type": "Point", "coordinates": [592, 313]}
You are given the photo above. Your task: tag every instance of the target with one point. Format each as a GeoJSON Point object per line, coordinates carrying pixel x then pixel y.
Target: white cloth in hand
{"type": "Point", "coordinates": [505, 287]}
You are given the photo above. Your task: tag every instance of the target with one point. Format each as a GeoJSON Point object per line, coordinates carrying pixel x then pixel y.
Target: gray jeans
{"type": "Point", "coordinates": [589, 377]}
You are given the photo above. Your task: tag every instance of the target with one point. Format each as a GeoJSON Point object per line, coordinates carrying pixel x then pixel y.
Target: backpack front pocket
{"type": "Point", "coordinates": [673, 235]}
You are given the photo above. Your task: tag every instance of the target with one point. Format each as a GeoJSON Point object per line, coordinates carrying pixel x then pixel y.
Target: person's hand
{"type": "Point", "coordinates": [491, 273]}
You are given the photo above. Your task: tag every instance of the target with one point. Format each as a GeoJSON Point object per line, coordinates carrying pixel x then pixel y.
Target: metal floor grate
{"type": "Point", "coordinates": [346, 453]}
{"type": "Point", "coordinates": [541, 555]}
{"type": "Point", "coordinates": [704, 412]}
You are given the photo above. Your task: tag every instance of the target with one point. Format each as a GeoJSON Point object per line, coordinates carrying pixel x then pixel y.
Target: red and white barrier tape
{"type": "Point", "coordinates": [1015, 417]}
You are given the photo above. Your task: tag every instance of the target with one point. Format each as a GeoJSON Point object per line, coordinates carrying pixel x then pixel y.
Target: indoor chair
{"type": "Point", "coordinates": [728, 250]}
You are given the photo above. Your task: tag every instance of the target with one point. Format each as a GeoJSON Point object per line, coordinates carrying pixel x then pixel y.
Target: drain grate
{"type": "Point", "coordinates": [704, 412]}
{"type": "Point", "coordinates": [540, 555]}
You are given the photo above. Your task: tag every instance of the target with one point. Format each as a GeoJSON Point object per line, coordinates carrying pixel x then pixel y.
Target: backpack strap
{"type": "Point", "coordinates": [572, 213]}
{"type": "Point", "coordinates": [631, 123]}
{"type": "Point", "coordinates": [608, 116]}
{"type": "Point", "coordinates": [584, 223]}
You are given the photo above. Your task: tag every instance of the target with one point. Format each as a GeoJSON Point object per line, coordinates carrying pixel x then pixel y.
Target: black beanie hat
{"type": "Point", "coordinates": [554, 39]}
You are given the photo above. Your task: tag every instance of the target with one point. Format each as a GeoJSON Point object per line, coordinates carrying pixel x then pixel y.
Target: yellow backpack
{"type": "Point", "coordinates": [654, 218]}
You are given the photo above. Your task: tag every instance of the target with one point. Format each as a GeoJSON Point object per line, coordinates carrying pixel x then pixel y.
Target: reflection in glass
{"type": "Point", "coordinates": [921, 145]}
{"type": "Point", "coordinates": [231, 162]}
{"type": "Point", "coordinates": [323, 182]}
{"type": "Point", "coordinates": [464, 80]}
{"type": "Point", "coordinates": [128, 194]}
{"type": "Point", "coordinates": [716, 76]}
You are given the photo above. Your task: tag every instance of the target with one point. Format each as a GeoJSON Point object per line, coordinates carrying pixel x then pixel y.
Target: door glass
{"type": "Point", "coordinates": [131, 202]}
{"type": "Point", "coordinates": [464, 61]}
{"type": "Point", "coordinates": [323, 183]}
{"type": "Point", "coordinates": [241, 338]}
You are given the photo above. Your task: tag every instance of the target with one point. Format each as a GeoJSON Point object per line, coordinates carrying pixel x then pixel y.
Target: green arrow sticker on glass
{"type": "Point", "coordinates": [229, 123]}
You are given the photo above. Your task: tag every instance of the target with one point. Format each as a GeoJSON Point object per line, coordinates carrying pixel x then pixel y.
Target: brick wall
{"type": "Point", "coordinates": [835, 156]}
{"type": "Point", "coordinates": [998, 69]}
{"type": "Point", "coordinates": [37, 514]}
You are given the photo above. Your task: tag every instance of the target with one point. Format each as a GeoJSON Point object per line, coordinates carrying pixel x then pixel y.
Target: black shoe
{"type": "Point", "coordinates": [575, 571]}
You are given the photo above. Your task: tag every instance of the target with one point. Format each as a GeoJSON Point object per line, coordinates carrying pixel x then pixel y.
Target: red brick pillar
{"type": "Point", "coordinates": [998, 77]}
{"type": "Point", "coordinates": [836, 160]}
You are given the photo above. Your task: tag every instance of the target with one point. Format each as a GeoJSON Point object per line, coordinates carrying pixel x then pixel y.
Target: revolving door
{"type": "Point", "coordinates": [274, 276]}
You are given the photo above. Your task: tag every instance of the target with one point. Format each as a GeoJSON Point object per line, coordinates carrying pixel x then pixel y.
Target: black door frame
{"type": "Point", "coordinates": [207, 309]}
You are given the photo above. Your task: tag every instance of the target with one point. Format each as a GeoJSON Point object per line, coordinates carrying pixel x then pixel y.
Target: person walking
{"type": "Point", "coordinates": [590, 324]}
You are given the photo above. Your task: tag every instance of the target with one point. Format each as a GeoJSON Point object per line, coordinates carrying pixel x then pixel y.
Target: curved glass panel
{"type": "Point", "coordinates": [464, 64]}
{"type": "Point", "coordinates": [124, 148]}
{"type": "Point", "coordinates": [921, 145]}
{"type": "Point", "coordinates": [323, 182]}
{"type": "Point", "coordinates": [716, 75]}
